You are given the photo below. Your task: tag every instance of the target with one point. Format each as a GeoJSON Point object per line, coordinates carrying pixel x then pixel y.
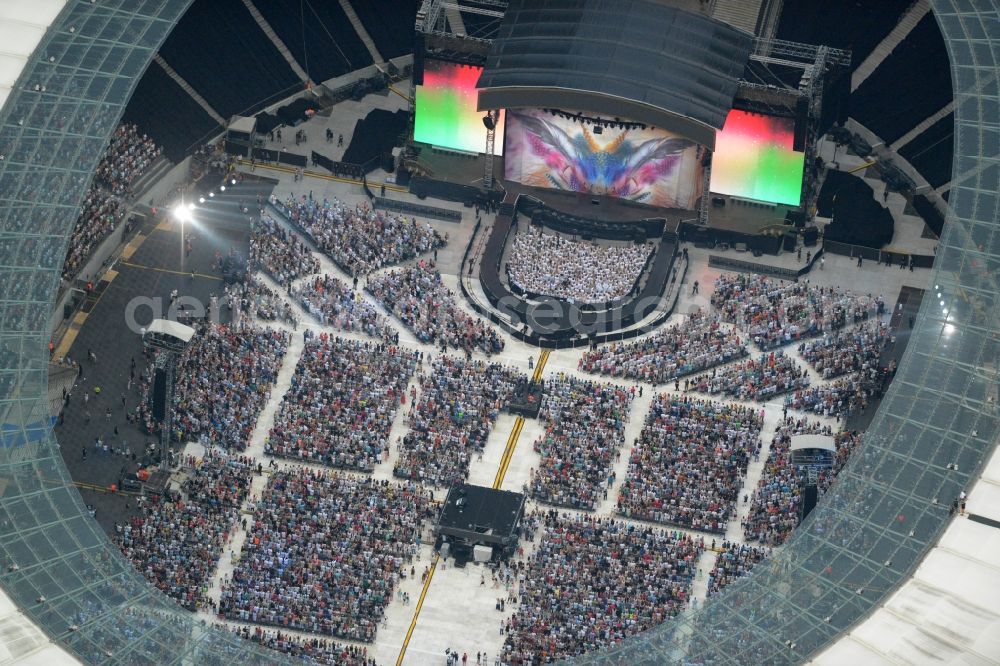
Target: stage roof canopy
{"type": "Point", "coordinates": [635, 59]}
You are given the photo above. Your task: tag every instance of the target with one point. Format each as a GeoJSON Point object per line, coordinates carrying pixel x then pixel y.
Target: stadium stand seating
{"type": "Point", "coordinates": [167, 113]}
{"type": "Point", "coordinates": [318, 35]}
{"type": "Point", "coordinates": [860, 24]}
{"type": "Point", "coordinates": [916, 75]}
{"type": "Point", "coordinates": [223, 54]}
{"type": "Point", "coordinates": [930, 152]}
{"type": "Point", "coordinates": [389, 23]}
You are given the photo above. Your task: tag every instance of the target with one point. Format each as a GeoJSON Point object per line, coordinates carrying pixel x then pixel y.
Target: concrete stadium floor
{"type": "Point", "coordinates": [456, 611]}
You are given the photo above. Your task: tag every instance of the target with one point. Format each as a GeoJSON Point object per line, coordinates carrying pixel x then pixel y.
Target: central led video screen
{"type": "Point", "coordinates": [754, 159]}
{"type": "Point", "coordinates": [445, 109]}
{"type": "Point", "coordinates": [563, 151]}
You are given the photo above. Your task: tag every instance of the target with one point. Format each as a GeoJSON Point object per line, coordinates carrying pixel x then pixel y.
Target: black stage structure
{"type": "Point", "coordinates": [669, 68]}
{"type": "Point", "coordinates": [479, 516]}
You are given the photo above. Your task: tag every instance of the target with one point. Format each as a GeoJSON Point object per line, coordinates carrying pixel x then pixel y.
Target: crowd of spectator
{"type": "Point", "coordinates": [279, 253]}
{"type": "Point", "coordinates": [733, 561]}
{"type": "Point", "coordinates": [584, 434]}
{"type": "Point", "coordinates": [695, 344]}
{"type": "Point", "coordinates": [593, 582]}
{"type": "Point", "coordinates": [689, 462]}
{"type": "Point", "coordinates": [584, 272]}
{"type": "Point", "coordinates": [175, 542]}
{"type": "Point", "coordinates": [418, 298]}
{"type": "Point", "coordinates": [128, 155]}
{"type": "Point", "coordinates": [309, 650]}
{"type": "Point", "coordinates": [774, 313]}
{"type": "Point", "coordinates": [761, 379]}
{"type": "Point", "coordinates": [223, 380]}
{"type": "Point", "coordinates": [253, 298]}
{"type": "Point", "coordinates": [451, 419]}
{"type": "Point", "coordinates": [842, 397]}
{"type": "Point", "coordinates": [99, 215]}
{"type": "Point", "coordinates": [359, 239]}
{"type": "Point", "coordinates": [775, 505]}
{"type": "Point", "coordinates": [335, 304]}
{"type": "Point", "coordinates": [850, 350]}
{"type": "Point", "coordinates": [341, 402]}
{"type": "Point", "coordinates": [325, 552]}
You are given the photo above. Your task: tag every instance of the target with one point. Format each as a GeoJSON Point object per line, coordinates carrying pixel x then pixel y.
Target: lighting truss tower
{"type": "Point", "coordinates": [809, 464]}
{"type": "Point", "coordinates": [169, 339]}
{"type": "Point", "coordinates": [490, 120]}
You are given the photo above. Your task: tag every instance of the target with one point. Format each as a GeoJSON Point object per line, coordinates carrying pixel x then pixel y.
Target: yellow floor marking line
{"type": "Point", "coordinates": [168, 270]}
{"type": "Point", "coordinates": [416, 611]}
{"type": "Point", "coordinates": [403, 95]}
{"type": "Point", "coordinates": [863, 166]}
{"type": "Point", "coordinates": [508, 454]}
{"type": "Point", "coordinates": [323, 176]}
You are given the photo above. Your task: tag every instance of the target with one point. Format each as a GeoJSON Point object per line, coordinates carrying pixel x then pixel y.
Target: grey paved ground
{"type": "Point", "coordinates": [156, 268]}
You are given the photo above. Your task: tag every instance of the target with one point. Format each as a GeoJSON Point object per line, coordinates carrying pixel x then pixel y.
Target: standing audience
{"type": "Point", "coordinates": [733, 561]}
{"type": "Point", "coordinates": [334, 304]}
{"type": "Point", "coordinates": [759, 379]}
{"type": "Point", "coordinates": [584, 272]}
{"type": "Point", "coordinates": [324, 553]}
{"type": "Point", "coordinates": [360, 240]}
{"type": "Point", "coordinates": [584, 434]}
{"type": "Point", "coordinates": [696, 344]}
{"type": "Point", "coordinates": [224, 378]}
{"type": "Point", "coordinates": [418, 299]}
{"type": "Point", "coordinates": [341, 403]}
{"type": "Point", "coordinates": [774, 313]}
{"type": "Point", "coordinates": [451, 419]}
{"type": "Point", "coordinates": [689, 462]}
{"type": "Point", "coordinates": [592, 582]}
{"type": "Point", "coordinates": [176, 542]}
{"type": "Point", "coordinates": [279, 253]}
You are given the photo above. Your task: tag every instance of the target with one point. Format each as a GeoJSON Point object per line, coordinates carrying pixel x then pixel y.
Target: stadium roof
{"type": "Point", "coordinates": [22, 26]}
{"type": "Point", "coordinates": [634, 59]}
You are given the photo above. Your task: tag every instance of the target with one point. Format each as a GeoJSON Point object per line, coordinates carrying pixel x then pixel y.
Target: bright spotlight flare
{"type": "Point", "coordinates": [182, 213]}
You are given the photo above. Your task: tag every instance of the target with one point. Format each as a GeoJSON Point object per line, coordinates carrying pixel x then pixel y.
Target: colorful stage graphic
{"type": "Point", "coordinates": [754, 159]}
{"type": "Point", "coordinates": [445, 109]}
{"type": "Point", "coordinates": [644, 165]}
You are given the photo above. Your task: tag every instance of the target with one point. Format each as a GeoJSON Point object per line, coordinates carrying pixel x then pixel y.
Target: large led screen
{"type": "Point", "coordinates": [754, 159]}
{"type": "Point", "coordinates": [646, 165]}
{"type": "Point", "coordinates": [446, 113]}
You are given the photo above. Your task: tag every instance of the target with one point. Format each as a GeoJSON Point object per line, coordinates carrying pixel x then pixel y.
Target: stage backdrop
{"type": "Point", "coordinates": [445, 113]}
{"type": "Point", "coordinates": [754, 159]}
{"type": "Point", "coordinates": [650, 166]}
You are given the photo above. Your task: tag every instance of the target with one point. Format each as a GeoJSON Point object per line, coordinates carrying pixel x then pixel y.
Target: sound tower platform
{"type": "Point", "coordinates": [479, 522]}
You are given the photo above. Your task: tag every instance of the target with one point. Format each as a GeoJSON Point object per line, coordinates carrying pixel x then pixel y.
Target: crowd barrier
{"type": "Point", "coordinates": [410, 208]}
{"type": "Point", "coordinates": [340, 169]}
{"type": "Point", "coordinates": [740, 266]}
{"type": "Point", "coordinates": [877, 255]}
{"type": "Point", "coordinates": [438, 189]}
{"type": "Point", "coordinates": [588, 228]}
{"type": "Point", "coordinates": [570, 343]}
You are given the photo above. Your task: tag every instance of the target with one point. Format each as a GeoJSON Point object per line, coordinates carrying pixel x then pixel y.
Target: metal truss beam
{"type": "Point", "coordinates": [802, 52]}
{"type": "Point", "coordinates": [473, 10]}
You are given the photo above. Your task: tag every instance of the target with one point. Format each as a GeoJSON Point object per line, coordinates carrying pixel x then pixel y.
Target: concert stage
{"type": "Point", "coordinates": [459, 177]}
